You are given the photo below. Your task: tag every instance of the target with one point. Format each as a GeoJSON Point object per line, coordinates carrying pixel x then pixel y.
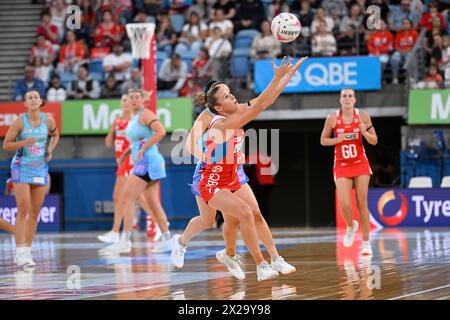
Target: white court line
{"type": "Point", "coordinates": [420, 292]}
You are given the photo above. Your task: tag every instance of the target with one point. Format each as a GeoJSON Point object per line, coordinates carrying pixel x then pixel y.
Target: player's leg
{"type": "Point", "coordinates": [196, 225]}
{"type": "Point", "coordinates": [226, 201]}
{"type": "Point", "coordinates": [152, 196]}
{"type": "Point", "coordinates": [344, 188]}
{"type": "Point", "coordinates": [37, 196]}
{"type": "Point", "coordinates": [23, 202]}
{"type": "Point", "coordinates": [134, 186]}
{"type": "Point", "coordinates": [264, 233]}
{"type": "Point", "coordinates": [6, 226]}
{"type": "Point", "coordinates": [362, 189]}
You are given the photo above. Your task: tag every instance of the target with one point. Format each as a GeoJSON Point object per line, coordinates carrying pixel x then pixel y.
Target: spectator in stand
{"type": "Point", "coordinates": [29, 82]}
{"type": "Point", "coordinates": [323, 43]}
{"type": "Point", "coordinates": [433, 80]}
{"type": "Point", "coordinates": [404, 42]}
{"type": "Point", "coordinates": [427, 18]}
{"type": "Point", "coordinates": [264, 45]}
{"type": "Point", "coordinates": [349, 45]}
{"type": "Point", "coordinates": [72, 54]}
{"type": "Point", "coordinates": [226, 26]}
{"type": "Point", "coordinates": [172, 75]}
{"type": "Point", "coordinates": [446, 60]}
{"type": "Point", "coordinates": [83, 87]}
{"type": "Point", "coordinates": [306, 17]}
{"type": "Point", "coordinates": [110, 89]}
{"type": "Point", "coordinates": [201, 70]}
{"type": "Point", "coordinates": [277, 7]}
{"type": "Point", "coordinates": [152, 7]}
{"type": "Point", "coordinates": [381, 43]}
{"type": "Point", "coordinates": [193, 34]}
{"type": "Point", "coordinates": [142, 17]}
{"type": "Point", "coordinates": [218, 45]}
{"type": "Point", "coordinates": [42, 70]}
{"type": "Point", "coordinates": [56, 92]}
{"type": "Point", "coordinates": [355, 19]}
{"type": "Point", "coordinates": [59, 12]}
{"type": "Point", "coordinates": [228, 7]}
{"type": "Point", "coordinates": [321, 17]}
{"type": "Point", "coordinates": [122, 10]}
{"type": "Point", "coordinates": [250, 14]}
{"type": "Point", "coordinates": [166, 37]}
{"type": "Point", "coordinates": [108, 33]}
{"type": "Point", "coordinates": [336, 9]}
{"type": "Point", "coordinates": [402, 12]}
{"type": "Point", "coordinates": [48, 30]}
{"type": "Point", "coordinates": [42, 49]}
{"type": "Point", "coordinates": [134, 83]}
{"type": "Point", "coordinates": [436, 29]}
{"type": "Point", "coordinates": [118, 63]}
{"type": "Point", "coordinates": [88, 15]}
{"type": "Point", "coordinates": [201, 8]}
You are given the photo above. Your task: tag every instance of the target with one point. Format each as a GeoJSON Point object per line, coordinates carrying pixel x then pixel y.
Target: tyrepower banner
{"type": "Point", "coordinates": [404, 208]}
{"type": "Point", "coordinates": [10, 111]}
{"type": "Point", "coordinates": [49, 216]}
{"type": "Point", "coordinates": [325, 74]}
{"type": "Point", "coordinates": [429, 107]}
{"type": "Point", "coordinates": [96, 116]}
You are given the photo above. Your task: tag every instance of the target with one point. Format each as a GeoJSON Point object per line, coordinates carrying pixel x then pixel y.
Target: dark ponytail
{"type": "Point", "coordinates": [207, 98]}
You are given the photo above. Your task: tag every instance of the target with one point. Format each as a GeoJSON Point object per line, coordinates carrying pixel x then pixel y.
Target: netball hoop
{"type": "Point", "coordinates": [143, 46]}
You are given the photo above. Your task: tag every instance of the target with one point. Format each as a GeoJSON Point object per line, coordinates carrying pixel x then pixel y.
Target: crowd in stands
{"type": "Point", "coordinates": [196, 38]}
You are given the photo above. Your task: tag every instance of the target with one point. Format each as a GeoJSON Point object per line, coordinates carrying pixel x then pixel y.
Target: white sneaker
{"type": "Point", "coordinates": [162, 246]}
{"type": "Point", "coordinates": [178, 251]}
{"type": "Point", "coordinates": [233, 264]}
{"type": "Point", "coordinates": [366, 249]}
{"type": "Point", "coordinates": [282, 266]}
{"type": "Point", "coordinates": [120, 247]}
{"type": "Point", "coordinates": [29, 257]}
{"type": "Point", "coordinates": [109, 237]}
{"type": "Point", "coordinates": [20, 258]}
{"type": "Point", "coordinates": [350, 234]}
{"type": "Point", "coordinates": [265, 271]}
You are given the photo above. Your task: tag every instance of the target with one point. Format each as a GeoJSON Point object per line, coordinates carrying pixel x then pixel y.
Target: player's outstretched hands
{"type": "Point", "coordinates": [279, 72]}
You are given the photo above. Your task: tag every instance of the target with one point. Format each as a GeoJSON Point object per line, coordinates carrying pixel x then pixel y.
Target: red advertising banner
{"type": "Point", "coordinates": [10, 111]}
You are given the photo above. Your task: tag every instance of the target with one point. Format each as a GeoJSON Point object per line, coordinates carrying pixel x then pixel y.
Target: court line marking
{"type": "Point", "coordinates": [420, 292]}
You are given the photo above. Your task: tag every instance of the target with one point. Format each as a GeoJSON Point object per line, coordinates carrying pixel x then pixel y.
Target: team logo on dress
{"type": "Point", "coordinates": [397, 218]}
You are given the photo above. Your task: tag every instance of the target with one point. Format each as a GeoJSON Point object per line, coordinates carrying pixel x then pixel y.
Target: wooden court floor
{"type": "Point", "coordinates": [407, 264]}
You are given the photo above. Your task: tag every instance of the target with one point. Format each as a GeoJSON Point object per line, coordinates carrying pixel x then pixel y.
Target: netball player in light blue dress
{"type": "Point", "coordinates": [144, 131]}
{"type": "Point", "coordinates": [28, 137]}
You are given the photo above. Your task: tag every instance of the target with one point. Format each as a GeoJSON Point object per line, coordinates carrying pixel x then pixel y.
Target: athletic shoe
{"type": "Point", "coordinates": [233, 264]}
{"type": "Point", "coordinates": [366, 249]}
{"type": "Point", "coordinates": [282, 266]}
{"type": "Point", "coordinates": [29, 257]}
{"type": "Point", "coordinates": [350, 234]}
{"type": "Point", "coordinates": [158, 234]}
{"type": "Point", "coordinates": [265, 271]}
{"type": "Point", "coordinates": [22, 259]}
{"type": "Point", "coordinates": [120, 247]}
{"type": "Point", "coordinates": [109, 237]}
{"type": "Point", "coordinates": [178, 251]}
{"type": "Point", "coordinates": [162, 246]}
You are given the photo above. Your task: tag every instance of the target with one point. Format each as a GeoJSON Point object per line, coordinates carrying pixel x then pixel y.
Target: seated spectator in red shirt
{"type": "Point", "coordinates": [433, 80]}
{"type": "Point", "coordinates": [200, 69]}
{"type": "Point", "coordinates": [120, 9]}
{"type": "Point", "coordinates": [404, 42]}
{"type": "Point", "coordinates": [48, 30]}
{"type": "Point", "coordinates": [426, 21]}
{"type": "Point", "coordinates": [381, 43]}
{"type": "Point", "coordinates": [108, 33]}
{"type": "Point", "coordinates": [72, 54]}
{"type": "Point", "coordinates": [42, 49]}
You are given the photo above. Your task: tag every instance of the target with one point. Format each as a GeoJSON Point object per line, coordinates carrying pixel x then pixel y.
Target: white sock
{"type": "Point", "coordinates": [126, 236]}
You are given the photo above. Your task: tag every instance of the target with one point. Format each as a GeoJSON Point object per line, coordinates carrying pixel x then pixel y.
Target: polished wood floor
{"type": "Point", "coordinates": [407, 264]}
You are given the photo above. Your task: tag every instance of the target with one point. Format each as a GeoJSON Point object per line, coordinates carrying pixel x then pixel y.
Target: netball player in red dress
{"type": "Point", "coordinates": [351, 166]}
{"type": "Point", "coordinates": [219, 186]}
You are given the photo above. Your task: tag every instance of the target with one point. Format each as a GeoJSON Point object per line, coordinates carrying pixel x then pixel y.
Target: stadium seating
{"type": "Point", "coordinates": [420, 182]}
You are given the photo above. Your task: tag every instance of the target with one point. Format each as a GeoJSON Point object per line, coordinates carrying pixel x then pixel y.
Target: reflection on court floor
{"type": "Point", "coordinates": [407, 264]}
